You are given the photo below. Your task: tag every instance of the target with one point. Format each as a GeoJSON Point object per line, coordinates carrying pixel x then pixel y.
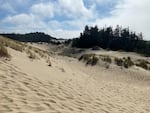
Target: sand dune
{"type": "Point", "coordinates": [70, 87]}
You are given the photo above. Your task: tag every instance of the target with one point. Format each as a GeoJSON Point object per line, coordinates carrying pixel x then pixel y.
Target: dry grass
{"type": "Point", "coordinates": [49, 62]}
{"type": "Point", "coordinates": [143, 64]}
{"type": "Point", "coordinates": [3, 51]}
{"type": "Point", "coordinates": [124, 62]}
{"type": "Point", "coordinates": [86, 57]}
{"type": "Point", "coordinates": [31, 54]}
{"type": "Point", "coordinates": [12, 44]}
{"type": "Point", "coordinates": [90, 59]}
{"type": "Point", "coordinates": [128, 62]}
{"type": "Point", "coordinates": [118, 61]}
{"type": "Point", "coordinates": [106, 58]}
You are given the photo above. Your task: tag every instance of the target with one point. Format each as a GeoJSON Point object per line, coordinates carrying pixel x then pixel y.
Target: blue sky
{"type": "Point", "coordinates": [67, 18]}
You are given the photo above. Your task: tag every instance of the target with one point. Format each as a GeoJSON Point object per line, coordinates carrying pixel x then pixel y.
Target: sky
{"type": "Point", "coordinates": [67, 18]}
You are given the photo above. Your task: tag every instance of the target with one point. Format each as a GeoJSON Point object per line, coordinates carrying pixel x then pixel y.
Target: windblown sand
{"type": "Point", "coordinates": [30, 86]}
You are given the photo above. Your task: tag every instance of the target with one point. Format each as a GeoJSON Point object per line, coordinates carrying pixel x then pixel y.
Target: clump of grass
{"type": "Point", "coordinates": [40, 52]}
{"type": "Point", "coordinates": [91, 59]}
{"type": "Point", "coordinates": [143, 64]}
{"type": "Point", "coordinates": [106, 58]}
{"type": "Point", "coordinates": [62, 69]}
{"type": "Point", "coordinates": [124, 62]}
{"type": "Point", "coordinates": [118, 61]}
{"type": "Point", "coordinates": [12, 44]}
{"type": "Point", "coordinates": [31, 55]}
{"type": "Point", "coordinates": [3, 51]}
{"type": "Point", "coordinates": [16, 47]}
{"type": "Point", "coordinates": [128, 62]}
{"type": "Point", "coordinates": [107, 66]}
{"type": "Point", "coordinates": [49, 62]}
{"type": "Point", "coordinates": [86, 57]}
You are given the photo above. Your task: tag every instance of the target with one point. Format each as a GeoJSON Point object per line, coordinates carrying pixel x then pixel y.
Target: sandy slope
{"type": "Point", "coordinates": [70, 87]}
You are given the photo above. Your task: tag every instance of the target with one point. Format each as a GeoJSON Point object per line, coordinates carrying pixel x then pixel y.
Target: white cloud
{"type": "Point", "coordinates": [74, 9]}
{"type": "Point", "coordinates": [134, 14]}
{"type": "Point", "coordinates": [43, 9]}
{"type": "Point", "coordinates": [24, 21]}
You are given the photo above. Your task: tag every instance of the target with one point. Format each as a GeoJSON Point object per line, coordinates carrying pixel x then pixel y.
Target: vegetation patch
{"type": "Point", "coordinates": [31, 55]}
{"type": "Point", "coordinates": [124, 62]}
{"type": "Point", "coordinates": [90, 59]}
{"type": "Point", "coordinates": [12, 44]}
{"type": "Point", "coordinates": [49, 62]}
{"type": "Point", "coordinates": [106, 58]}
{"type": "Point", "coordinates": [128, 62]}
{"type": "Point", "coordinates": [118, 61]}
{"type": "Point", "coordinates": [3, 51]}
{"type": "Point", "coordinates": [143, 64]}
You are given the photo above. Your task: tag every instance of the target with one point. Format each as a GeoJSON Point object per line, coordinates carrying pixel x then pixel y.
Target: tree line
{"type": "Point", "coordinates": [114, 39]}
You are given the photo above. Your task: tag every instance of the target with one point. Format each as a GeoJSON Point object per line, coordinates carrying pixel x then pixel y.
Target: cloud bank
{"type": "Point", "coordinates": [67, 18]}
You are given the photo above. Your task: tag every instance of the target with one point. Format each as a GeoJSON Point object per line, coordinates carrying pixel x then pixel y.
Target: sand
{"type": "Point", "coordinates": [68, 86]}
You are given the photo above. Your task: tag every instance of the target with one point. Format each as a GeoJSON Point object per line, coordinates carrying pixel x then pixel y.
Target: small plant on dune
{"type": "Point", "coordinates": [128, 62]}
{"type": "Point", "coordinates": [125, 62]}
{"type": "Point", "coordinates": [143, 64]}
{"type": "Point", "coordinates": [31, 55]}
{"type": "Point", "coordinates": [62, 69]}
{"type": "Point", "coordinates": [3, 51]}
{"type": "Point", "coordinates": [92, 60]}
{"type": "Point", "coordinates": [89, 59]}
{"type": "Point", "coordinates": [86, 57]}
{"type": "Point", "coordinates": [118, 61]}
{"type": "Point", "coordinates": [49, 62]}
{"type": "Point", "coordinates": [107, 66]}
{"type": "Point", "coordinates": [106, 59]}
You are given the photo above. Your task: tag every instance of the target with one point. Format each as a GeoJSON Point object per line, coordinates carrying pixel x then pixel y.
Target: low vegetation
{"type": "Point", "coordinates": [90, 59]}
{"type": "Point", "coordinates": [49, 62]}
{"type": "Point", "coordinates": [12, 44]}
{"type": "Point", "coordinates": [118, 61]}
{"type": "Point", "coordinates": [124, 62]}
{"type": "Point", "coordinates": [143, 64]}
{"type": "Point", "coordinates": [3, 51]}
{"type": "Point", "coordinates": [31, 55]}
{"type": "Point", "coordinates": [106, 58]}
{"type": "Point", "coordinates": [93, 59]}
